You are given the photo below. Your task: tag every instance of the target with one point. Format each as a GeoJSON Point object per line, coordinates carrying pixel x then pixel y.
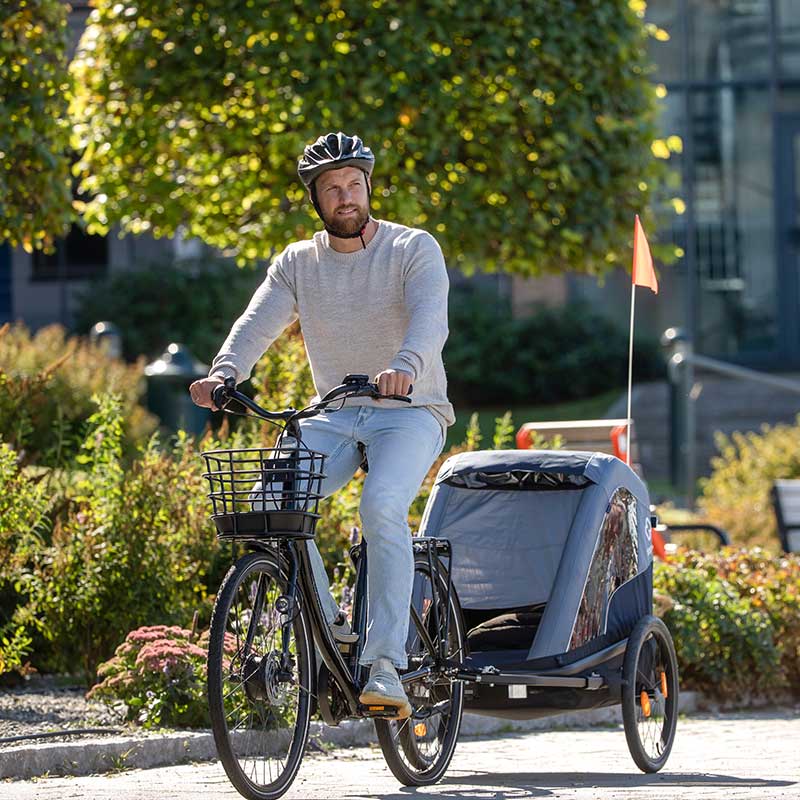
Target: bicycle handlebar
{"type": "Point", "coordinates": [353, 386]}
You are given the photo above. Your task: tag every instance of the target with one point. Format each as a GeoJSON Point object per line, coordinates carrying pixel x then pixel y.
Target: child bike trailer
{"type": "Point", "coordinates": [552, 560]}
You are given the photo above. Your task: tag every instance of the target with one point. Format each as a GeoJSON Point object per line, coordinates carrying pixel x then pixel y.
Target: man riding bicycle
{"type": "Point", "coordinates": [371, 297]}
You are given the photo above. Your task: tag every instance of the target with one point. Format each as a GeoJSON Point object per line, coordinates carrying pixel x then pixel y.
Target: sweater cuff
{"type": "Point", "coordinates": [399, 362]}
{"type": "Point", "coordinates": [223, 372]}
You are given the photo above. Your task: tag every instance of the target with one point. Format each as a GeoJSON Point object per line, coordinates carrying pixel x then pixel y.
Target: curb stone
{"type": "Point", "coordinates": [158, 750]}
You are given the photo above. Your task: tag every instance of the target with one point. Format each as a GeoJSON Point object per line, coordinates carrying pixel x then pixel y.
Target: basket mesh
{"type": "Point", "coordinates": [264, 491]}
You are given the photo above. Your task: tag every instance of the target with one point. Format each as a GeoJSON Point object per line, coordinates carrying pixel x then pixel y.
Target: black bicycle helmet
{"type": "Point", "coordinates": [333, 151]}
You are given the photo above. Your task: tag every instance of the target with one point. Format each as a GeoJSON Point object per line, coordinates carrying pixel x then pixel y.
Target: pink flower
{"type": "Point", "coordinates": [167, 655]}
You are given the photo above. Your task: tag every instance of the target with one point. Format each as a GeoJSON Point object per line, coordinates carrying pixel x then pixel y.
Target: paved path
{"type": "Point", "coordinates": [742, 756]}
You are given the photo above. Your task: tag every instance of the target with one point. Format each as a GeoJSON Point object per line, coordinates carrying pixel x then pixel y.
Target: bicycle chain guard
{"type": "Point", "coordinates": [333, 706]}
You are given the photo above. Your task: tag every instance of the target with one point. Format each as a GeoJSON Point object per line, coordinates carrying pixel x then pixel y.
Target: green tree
{"type": "Point", "coordinates": [35, 182]}
{"type": "Point", "coordinates": [519, 133]}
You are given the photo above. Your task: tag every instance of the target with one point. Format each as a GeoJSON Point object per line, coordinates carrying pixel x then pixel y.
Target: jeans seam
{"type": "Point", "coordinates": [337, 450]}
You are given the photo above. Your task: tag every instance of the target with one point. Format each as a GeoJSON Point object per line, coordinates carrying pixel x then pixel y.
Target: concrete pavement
{"type": "Point", "coordinates": [754, 756]}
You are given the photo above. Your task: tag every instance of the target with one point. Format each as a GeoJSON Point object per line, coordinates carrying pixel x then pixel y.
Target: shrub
{"type": "Point", "coordinates": [735, 618]}
{"type": "Point", "coordinates": [24, 506]}
{"type": "Point", "coordinates": [159, 672]}
{"type": "Point", "coordinates": [552, 356]}
{"type": "Point", "coordinates": [47, 381]}
{"type": "Point", "coordinates": [191, 302]}
{"type": "Point", "coordinates": [736, 495]}
{"type": "Point", "coordinates": [133, 547]}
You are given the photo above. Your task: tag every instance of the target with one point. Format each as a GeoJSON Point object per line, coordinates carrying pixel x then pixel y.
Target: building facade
{"type": "Point", "coordinates": [731, 70]}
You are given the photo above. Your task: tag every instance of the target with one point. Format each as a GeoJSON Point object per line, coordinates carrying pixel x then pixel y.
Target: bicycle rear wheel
{"type": "Point", "coordinates": [419, 749]}
{"type": "Point", "coordinates": [260, 704]}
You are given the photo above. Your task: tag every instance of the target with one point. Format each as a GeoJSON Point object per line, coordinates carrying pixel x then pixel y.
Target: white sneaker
{"type": "Point", "coordinates": [385, 689]}
{"type": "Point", "coordinates": [341, 630]}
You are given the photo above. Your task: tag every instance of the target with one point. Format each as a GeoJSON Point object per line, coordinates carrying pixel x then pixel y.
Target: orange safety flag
{"type": "Point", "coordinates": [643, 272]}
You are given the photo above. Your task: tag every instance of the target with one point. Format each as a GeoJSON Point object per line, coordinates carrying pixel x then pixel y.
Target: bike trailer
{"type": "Point", "coordinates": [552, 561]}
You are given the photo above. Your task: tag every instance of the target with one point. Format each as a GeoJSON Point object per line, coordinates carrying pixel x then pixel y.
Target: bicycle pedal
{"type": "Point", "coordinates": [380, 711]}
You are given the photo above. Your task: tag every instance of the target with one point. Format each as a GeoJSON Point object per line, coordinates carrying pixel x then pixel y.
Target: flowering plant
{"type": "Point", "coordinates": [159, 672]}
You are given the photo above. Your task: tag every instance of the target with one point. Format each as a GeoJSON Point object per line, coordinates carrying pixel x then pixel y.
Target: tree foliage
{"type": "Point", "coordinates": [519, 133]}
{"type": "Point", "coordinates": [35, 182]}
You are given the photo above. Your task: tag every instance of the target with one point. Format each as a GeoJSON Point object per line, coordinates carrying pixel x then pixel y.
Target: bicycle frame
{"type": "Point", "coordinates": [293, 555]}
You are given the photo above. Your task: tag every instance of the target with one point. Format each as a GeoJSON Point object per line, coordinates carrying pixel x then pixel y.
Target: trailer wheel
{"type": "Point", "coordinates": [650, 694]}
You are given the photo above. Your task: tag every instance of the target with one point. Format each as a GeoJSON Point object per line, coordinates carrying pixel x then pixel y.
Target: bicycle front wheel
{"type": "Point", "coordinates": [418, 750]}
{"type": "Point", "coordinates": [259, 691]}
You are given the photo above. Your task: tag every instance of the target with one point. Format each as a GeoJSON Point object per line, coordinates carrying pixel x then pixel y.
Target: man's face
{"type": "Point", "coordinates": [343, 199]}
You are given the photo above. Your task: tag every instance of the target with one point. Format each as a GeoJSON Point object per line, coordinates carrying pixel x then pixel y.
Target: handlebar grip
{"type": "Point", "coordinates": [220, 395]}
{"type": "Point", "coordinates": [402, 397]}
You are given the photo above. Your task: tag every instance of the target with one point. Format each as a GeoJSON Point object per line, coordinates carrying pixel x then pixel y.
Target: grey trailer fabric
{"type": "Point", "coordinates": [502, 559]}
{"type": "Point", "coordinates": [507, 543]}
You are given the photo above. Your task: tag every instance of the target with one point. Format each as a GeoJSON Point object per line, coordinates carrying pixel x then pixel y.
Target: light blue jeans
{"type": "Point", "coordinates": [401, 444]}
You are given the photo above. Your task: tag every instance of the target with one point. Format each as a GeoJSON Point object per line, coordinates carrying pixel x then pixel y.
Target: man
{"type": "Point", "coordinates": [371, 297]}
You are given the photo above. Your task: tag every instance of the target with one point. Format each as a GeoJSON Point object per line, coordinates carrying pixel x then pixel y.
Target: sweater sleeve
{"type": "Point", "coordinates": [425, 291]}
{"type": "Point", "coordinates": [272, 308]}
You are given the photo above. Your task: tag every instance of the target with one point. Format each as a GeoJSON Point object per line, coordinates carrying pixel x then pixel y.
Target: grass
{"type": "Point", "coordinates": [589, 408]}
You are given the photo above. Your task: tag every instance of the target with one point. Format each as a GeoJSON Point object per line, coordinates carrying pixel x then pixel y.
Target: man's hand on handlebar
{"type": "Point", "coordinates": [392, 384]}
{"type": "Point", "coordinates": [394, 381]}
{"type": "Point", "coordinates": [201, 390]}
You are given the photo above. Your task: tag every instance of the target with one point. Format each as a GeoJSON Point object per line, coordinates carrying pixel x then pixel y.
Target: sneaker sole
{"type": "Point", "coordinates": [374, 699]}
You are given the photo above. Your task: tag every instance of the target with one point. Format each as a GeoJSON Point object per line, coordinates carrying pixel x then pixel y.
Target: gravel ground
{"type": "Point", "coordinates": [46, 709]}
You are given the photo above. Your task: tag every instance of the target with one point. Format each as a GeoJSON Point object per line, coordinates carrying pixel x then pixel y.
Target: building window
{"type": "Point", "coordinates": [78, 256]}
{"type": "Point", "coordinates": [729, 39]}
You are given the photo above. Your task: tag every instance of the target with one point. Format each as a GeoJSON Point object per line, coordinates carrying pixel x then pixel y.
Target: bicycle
{"type": "Point", "coordinates": [268, 628]}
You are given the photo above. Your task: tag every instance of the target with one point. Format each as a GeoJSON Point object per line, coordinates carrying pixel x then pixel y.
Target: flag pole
{"type": "Point", "coordinates": [630, 379]}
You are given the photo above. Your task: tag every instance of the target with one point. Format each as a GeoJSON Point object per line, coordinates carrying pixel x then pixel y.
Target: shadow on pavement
{"type": "Point", "coordinates": [578, 780]}
{"type": "Point", "coordinates": [517, 785]}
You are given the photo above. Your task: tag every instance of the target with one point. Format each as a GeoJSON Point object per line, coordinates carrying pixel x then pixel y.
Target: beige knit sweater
{"type": "Point", "coordinates": [376, 308]}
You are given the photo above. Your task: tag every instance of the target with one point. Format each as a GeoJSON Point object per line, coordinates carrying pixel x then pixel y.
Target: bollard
{"type": "Point", "coordinates": [168, 379]}
{"type": "Point", "coordinates": [106, 335]}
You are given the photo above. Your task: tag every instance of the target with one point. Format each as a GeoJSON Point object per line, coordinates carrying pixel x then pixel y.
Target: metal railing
{"type": "Point", "coordinates": [684, 391]}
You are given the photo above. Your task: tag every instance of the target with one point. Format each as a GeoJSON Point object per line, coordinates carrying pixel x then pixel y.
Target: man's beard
{"type": "Point", "coordinates": [349, 226]}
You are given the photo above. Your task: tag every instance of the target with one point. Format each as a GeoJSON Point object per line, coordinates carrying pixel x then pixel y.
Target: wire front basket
{"type": "Point", "coordinates": [264, 492]}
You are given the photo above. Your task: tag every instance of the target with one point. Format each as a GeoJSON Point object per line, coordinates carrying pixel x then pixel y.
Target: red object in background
{"type": "Point", "coordinates": [659, 550]}
{"type": "Point", "coordinates": [619, 442]}
{"type": "Point", "coordinates": [523, 437]}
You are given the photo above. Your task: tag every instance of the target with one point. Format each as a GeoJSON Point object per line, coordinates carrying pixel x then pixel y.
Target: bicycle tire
{"type": "Point", "coordinates": [650, 694]}
{"type": "Point", "coordinates": [246, 689]}
{"type": "Point", "coordinates": [405, 745]}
